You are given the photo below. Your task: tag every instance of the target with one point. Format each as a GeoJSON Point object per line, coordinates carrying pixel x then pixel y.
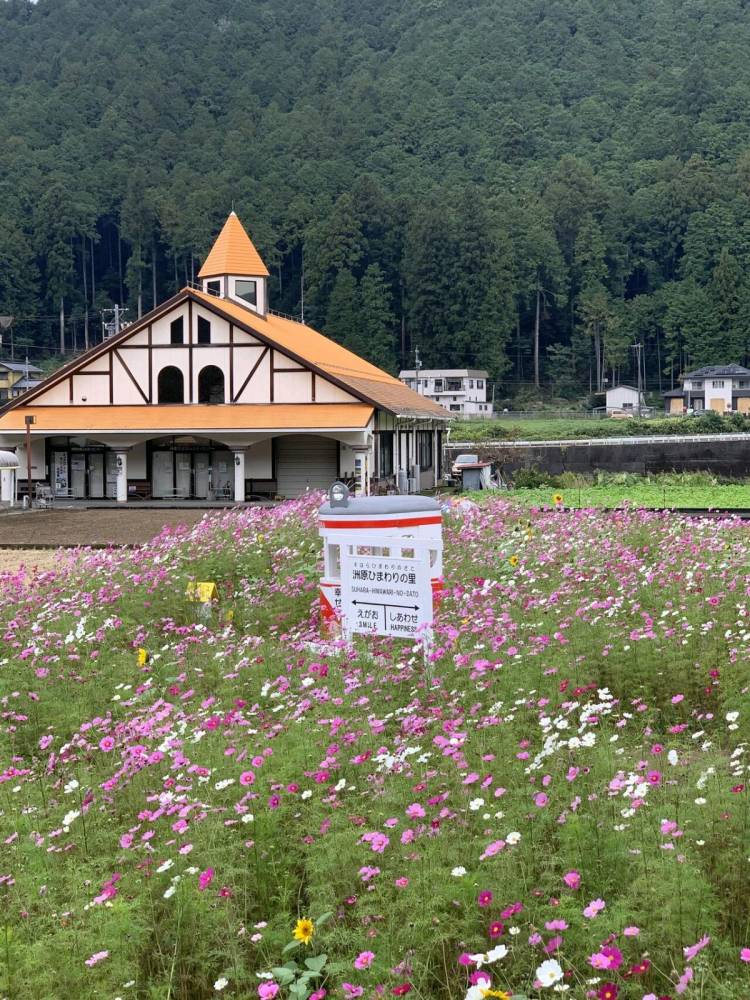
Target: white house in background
{"type": "Point", "coordinates": [462, 391]}
{"type": "Point", "coordinates": [722, 388]}
{"type": "Point", "coordinates": [212, 395]}
{"type": "Point", "coordinates": [625, 398]}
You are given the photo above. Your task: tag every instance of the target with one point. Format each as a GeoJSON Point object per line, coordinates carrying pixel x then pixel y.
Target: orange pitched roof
{"type": "Point", "coordinates": [191, 417]}
{"type": "Point", "coordinates": [233, 253]}
{"type": "Point", "coordinates": [329, 356]}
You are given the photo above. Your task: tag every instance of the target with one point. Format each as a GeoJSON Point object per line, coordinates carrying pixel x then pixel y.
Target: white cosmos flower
{"type": "Point", "coordinates": [165, 865]}
{"type": "Point", "coordinates": [672, 757]}
{"type": "Point", "coordinates": [458, 871]}
{"type": "Point", "coordinates": [71, 786]}
{"type": "Point", "coordinates": [221, 982]}
{"type": "Point", "coordinates": [70, 816]}
{"type": "Point", "coordinates": [476, 804]}
{"type": "Point", "coordinates": [496, 953]}
{"type": "Point", "coordinates": [513, 838]}
{"type": "Point", "coordinates": [549, 972]}
{"type": "Point", "coordinates": [732, 716]}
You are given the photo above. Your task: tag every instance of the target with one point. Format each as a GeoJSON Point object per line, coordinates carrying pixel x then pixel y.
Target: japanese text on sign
{"type": "Point", "coordinates": [386, 595]}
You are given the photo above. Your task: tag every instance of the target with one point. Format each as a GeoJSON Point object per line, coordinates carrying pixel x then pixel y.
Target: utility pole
{"type": "Point", "coordinates": [112, 327]}
{"type": "Point", "coordinates": [417, 364]}
{"type": "Point", "coordinates": [638, 348]}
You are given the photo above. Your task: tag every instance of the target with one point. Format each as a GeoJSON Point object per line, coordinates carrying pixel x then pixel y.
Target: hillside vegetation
{"type": "Point", "coordinates": [478, 180]}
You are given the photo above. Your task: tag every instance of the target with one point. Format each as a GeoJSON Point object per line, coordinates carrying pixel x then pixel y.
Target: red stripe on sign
{"type": "Point", "coordinates": [399, 522]}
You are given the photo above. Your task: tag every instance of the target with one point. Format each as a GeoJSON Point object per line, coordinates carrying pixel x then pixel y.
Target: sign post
{"type": "Point", "coordinates": [386, 589]}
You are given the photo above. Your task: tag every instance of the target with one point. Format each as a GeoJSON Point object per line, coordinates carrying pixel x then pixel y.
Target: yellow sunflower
{"type": "Point", "coordinates": [500, 994]}
{"type": "Point", "coordinates": [513, 560]}
{"type": "Point", "coordinates": [142, 657]}
{"type": "Point", "coordinates": [557, 499]}
{"type": "Point", "coordinates": [304, 930]}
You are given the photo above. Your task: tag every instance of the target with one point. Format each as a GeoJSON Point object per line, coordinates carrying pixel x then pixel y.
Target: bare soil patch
{"type": "Point", "coordinates": [71, 528]}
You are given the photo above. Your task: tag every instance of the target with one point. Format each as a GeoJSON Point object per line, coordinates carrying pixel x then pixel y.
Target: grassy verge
{"type": "Point", "coordinates": [646, 495]}
{"type": "Point", "coordinates": [570, 430]}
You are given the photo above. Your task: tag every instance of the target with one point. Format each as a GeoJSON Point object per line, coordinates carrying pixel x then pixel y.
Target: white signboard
{"type": "Point", "coordinates": [386, 594]}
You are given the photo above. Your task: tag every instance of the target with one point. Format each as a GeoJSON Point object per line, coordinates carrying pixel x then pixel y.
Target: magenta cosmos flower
{"type": "Point", "coordinates": [484, 898]}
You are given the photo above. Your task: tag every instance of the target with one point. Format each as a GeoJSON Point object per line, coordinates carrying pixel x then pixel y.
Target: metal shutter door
{"type": "Point", "coordinates": [305, 462]}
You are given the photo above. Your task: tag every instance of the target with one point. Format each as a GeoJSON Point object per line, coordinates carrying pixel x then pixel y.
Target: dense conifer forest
{"type": "Point", "coordinates": [531, 186]}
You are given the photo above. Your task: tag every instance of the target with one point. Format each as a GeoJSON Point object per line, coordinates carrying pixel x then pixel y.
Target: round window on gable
{"type": "Point", "coordinates": [247, 291]}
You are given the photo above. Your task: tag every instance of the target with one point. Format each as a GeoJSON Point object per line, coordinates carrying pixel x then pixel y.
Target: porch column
{"type": "Point", "coordinates": [435, 456]}
{"type": "Point", "coordinates": [121, 459]}
{"type": "Point", "coordinates": [239, 475]}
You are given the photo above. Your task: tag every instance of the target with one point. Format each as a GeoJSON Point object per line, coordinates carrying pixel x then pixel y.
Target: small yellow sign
{"type": "Point", "coordinates": [204, 593]}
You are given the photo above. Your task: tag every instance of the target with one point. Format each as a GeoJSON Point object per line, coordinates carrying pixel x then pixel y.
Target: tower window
{"type": "Point", "coordinates": [176, 335]}
{"type": "Point", "coordinates": [214, 287]}
{"type": "Point", "coordinates": [247, 291]}
{"type": "Point", "coordinates": [204, 331]}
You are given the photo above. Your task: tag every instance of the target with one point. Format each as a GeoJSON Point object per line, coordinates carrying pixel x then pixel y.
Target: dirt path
{"type": "Point", "coordinates": [32, 559]}
{"type": "Point", "coordinates": [68, 528]}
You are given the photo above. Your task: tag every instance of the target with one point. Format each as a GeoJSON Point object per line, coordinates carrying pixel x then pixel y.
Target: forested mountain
{"type": "Point", "coordinates": [527, 185]}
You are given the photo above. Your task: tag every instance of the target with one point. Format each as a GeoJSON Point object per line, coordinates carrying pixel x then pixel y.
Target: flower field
{"type": "Point", "coordinates": [216, 803]}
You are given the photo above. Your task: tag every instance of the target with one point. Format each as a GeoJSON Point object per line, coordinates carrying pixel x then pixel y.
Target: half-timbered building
{"type": "Point", "coordinates": [212, 395]}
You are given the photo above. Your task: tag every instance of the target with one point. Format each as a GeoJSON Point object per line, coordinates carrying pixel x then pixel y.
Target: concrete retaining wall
{"type": "Point", "coordinates": [726, 455]}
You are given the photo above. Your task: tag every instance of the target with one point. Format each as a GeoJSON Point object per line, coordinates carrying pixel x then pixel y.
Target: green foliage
{"type": "Point", "coordinates": [529, 191]}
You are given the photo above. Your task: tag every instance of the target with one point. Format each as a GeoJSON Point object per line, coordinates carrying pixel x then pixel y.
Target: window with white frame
{"type": "Point", "coordinates": [717, 383]}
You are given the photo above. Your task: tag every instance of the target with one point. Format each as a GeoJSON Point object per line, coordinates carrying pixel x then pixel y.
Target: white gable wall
{"type": "Point", "coordinates": [135, 364]}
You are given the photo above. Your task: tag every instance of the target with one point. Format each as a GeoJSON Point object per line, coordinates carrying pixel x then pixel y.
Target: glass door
{"type": "Point", "coordinates": [184, 474]}
{"type": "Point", "coordinates": [201, 474]}
{"type": "Point", "coordinates": [78, 474]}
{"type": "Point", "coordinates": [96, 474]}
{"type": "Point", "coordinates": [162, 472]}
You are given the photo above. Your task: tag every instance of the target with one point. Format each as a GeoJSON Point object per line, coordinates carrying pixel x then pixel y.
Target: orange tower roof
{"type": "Point", "coordinates": [233, 253]}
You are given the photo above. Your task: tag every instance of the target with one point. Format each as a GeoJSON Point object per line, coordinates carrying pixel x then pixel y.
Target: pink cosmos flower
{"type": "Point", "coordinates": [126, 841]}
{"type": "Point", "coordinates": [684, 981]}
{"type": "Point", "coordinates": [541, 800]}
{"type": "Point", "coordinates": [267, 991]}
{"type": "Point", "coordinates": [205, 878]}
{"type": "Point", "coordinates": [318, 994]}
{"type": "Point", "coordinates": [351, 991]}
{"type": "Point", "coordinates": [107, 744]}
{"type": "Point", "coordinates": [572, 880]}
{"type": "Point", "coordinates": [364, 960]}
{"type": "Point", "coordinates": [653, 777]}
{"type": "Point", "coordinates": [745, 955]}
{"type": "Point", "coordinates": [98, 956]}
{"type": "Point", "coordinates": [594, 908]}
{"type": "Point", "coordinates": [691, 951]}
{"type": "Point", "coordinates": [632, 931]}
{"type": "Point", "coordinates": [401, 883]}
{"type": "Point", "coordinates": [415, 811]}
{"type": "Point", "coordinates": [247, 778]}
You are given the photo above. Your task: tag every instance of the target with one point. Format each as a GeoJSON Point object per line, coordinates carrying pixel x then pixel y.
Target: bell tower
{"type": "Point", "coordinates": [234, 268]}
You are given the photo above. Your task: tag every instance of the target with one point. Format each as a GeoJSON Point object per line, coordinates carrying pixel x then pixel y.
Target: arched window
{"type": "Point", "coordinates": [211, 385]}
{"type": "Point", "coordinates": [171, 385]}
